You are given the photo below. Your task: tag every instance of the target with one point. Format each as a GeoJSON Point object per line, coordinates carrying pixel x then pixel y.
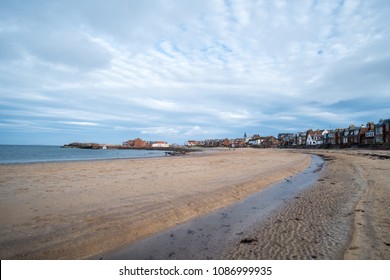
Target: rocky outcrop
{"type": "Point", "coordinates": [84, 146]}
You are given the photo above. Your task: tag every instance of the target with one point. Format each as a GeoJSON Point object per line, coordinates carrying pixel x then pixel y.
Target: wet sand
{"type": "Point", "coordinates": [345, 215]}
{"type": "Point", "coordinates": [207, 237]}
{"type": "Point", "coordinates": [78, 210]}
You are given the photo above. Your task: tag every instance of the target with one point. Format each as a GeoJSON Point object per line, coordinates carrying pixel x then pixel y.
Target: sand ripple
{"type": "Point", "coordinates": [345, 215]}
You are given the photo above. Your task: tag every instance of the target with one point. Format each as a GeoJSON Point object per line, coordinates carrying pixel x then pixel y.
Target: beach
{"type": "Point", "coordinates": [345, 215]}
{"type": "Point", "coordinates": [78, 210]}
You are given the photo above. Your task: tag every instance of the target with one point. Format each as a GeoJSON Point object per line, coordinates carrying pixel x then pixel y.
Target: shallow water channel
{"type": "Point", "coordinates": [207, 237]}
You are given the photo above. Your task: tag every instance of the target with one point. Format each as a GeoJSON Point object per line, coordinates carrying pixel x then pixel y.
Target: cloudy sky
{"type": "Point", "coordinates": [108, 71]}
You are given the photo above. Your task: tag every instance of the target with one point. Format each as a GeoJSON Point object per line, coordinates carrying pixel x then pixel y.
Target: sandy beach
{"type": "Point", "coordinates": [78, 210]}
{"type": "Point", "coordinates": [345, 215]}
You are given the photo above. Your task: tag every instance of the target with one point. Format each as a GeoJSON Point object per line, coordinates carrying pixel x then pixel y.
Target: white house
{"type": "Point", "coordinates": [160, 144]}
{"type": "Point", "coordinates": [315, 137]}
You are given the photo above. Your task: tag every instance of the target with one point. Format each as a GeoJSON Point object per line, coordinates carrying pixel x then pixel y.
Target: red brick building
{"type": "Point", "coordinates": [136, 143]}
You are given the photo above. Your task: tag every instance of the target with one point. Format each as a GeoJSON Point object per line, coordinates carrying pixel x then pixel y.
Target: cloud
{"type": "Point", "coordinates": [79, 123]}
{"type": "Point", "coordinates": [238, 115]}
{"type": "Point", "coordinates": [160, 131]}
{"type": "Point", "coordinates": [176, 69]}
{"type": "Point", "coordinates": [196, 131]}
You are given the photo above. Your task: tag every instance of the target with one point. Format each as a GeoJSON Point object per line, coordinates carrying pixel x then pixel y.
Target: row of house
{"type": "Point", "coordinates": [263, 141]}
{"type": "Point", "coordinates": [213, 143]}
{"type": "Point", "coordinates": [255, 140]}
{"type": "Point", "coordinates": [369, 134]}
{"type": "Point", "coordinates": [138, 143]}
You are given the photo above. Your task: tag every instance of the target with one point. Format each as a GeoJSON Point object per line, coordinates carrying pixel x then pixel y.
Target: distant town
{"type": "Point", "coordinates": [366, 135]}
{"type": "Point", "coordinates": [370, 134]}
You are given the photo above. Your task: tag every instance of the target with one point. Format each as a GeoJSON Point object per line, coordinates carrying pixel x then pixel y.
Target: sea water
{"type": "Point", "coordinates": [35, 154]}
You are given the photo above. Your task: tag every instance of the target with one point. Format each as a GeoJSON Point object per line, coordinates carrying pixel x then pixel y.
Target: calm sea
{"type": "Point", "coordinates": [33, 154]}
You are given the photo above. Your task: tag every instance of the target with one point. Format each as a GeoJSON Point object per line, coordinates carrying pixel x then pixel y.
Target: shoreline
{"type": "Point", "coordinates": [57, 156]}
{"type": "Point", "coordinates": [61, 161]}
{"type": "Point", "coordinates": [79, 210]}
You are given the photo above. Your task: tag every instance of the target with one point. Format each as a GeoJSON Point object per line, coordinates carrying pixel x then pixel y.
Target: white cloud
{"type": "Point", "coordinates": [79, 123]}
{"type": "Point", "coordinates": [238, 115]}
{"type": "Point", "coordinates": [160, 104]}
{"type": "Point", "coordinates": [196, 131]}
{"type": "Point", "coordinates": [286, 118]}
{"type": "Point", "coordinates": [160, 131]}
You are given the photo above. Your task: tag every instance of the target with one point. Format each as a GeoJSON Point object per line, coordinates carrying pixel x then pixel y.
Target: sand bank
{"type": "Point", "coordinates": [346, 215]}
{"type": "Point", "coordinates": [77, 210]}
